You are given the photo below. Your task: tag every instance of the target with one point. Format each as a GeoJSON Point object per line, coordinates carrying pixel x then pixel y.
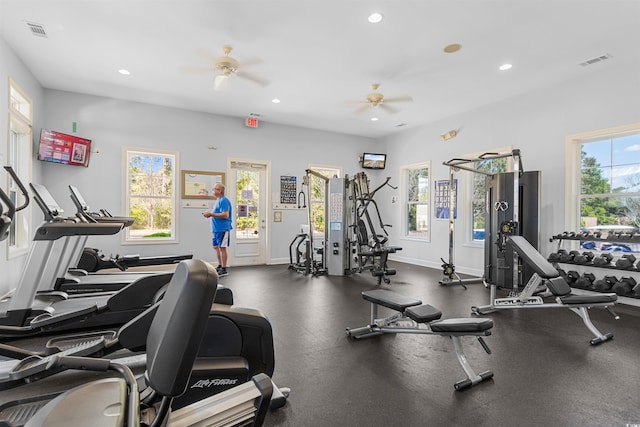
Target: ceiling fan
{"type": "Point", "coordinates": [378, 100]}
{"type": "Point", "coordinates": [451, 134]}
{"type": "Point", "coordinates": [226, 67]}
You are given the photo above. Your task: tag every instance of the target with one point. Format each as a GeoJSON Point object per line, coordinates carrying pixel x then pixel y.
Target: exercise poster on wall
{"type": "Point", "coordinates": [288, 187]}
{"type": "Point", "coordinates": [442, 199]}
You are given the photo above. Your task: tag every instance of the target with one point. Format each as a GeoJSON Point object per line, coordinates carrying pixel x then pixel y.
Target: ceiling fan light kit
{"type": "Point", "coordinates": [449, 135]}
{"type": "Point", "coordinates": [220, 82]}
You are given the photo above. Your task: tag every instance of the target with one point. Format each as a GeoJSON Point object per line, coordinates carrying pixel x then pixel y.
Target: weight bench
{"type": "Point", "coordinates": [413, 317]}
{"type": "Point", "coordinates": [556, 286]}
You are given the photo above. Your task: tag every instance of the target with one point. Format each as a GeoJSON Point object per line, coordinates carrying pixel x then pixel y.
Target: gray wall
{"type": "Point", "coordinates": [11, 66]}
{"type": "Point", "coordinates": [112, 123]}
{"type": "Point", "coordinates": [537, 124]}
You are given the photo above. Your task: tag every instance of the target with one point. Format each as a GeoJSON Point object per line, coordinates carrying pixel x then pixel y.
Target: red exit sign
{"type": "Point", "coordinates": [251, 122]}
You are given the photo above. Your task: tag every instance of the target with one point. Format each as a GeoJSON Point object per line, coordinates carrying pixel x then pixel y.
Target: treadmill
{"type": "Point", "coordinates": [72, 247]}
{"type": "Point", "coordinates": [90, 259]}
{"type": "Point", "coordinates": [34, 308]}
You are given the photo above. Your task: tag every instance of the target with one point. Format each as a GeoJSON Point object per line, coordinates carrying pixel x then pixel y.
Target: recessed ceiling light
{"type": "Point", "coordinates": [451, 48]}
{"type": "Point", "coordinates": [505, 67]}
{"type": "Point", "coordinates": [374, 119]}
{"type": "Point", "coordinates": [124, 72]}
{"type": "Point", "coordinates": [375, 17]}
{"type": "Point", "coordinates": [275, 101]}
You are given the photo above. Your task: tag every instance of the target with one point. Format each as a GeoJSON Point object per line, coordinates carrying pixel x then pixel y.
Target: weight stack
{"type": "Point", "coordinates": [498, 268]}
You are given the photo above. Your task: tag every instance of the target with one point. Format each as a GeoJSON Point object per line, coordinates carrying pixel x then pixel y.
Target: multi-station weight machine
{"type": "Point", "coordinates": [355, 237]}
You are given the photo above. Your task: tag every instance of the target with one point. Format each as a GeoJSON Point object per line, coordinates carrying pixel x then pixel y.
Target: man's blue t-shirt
{"type": "Point", "coordinates": [221, 224]}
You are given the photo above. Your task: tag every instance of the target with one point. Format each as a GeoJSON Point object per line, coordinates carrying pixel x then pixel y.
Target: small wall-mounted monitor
{"type": "Point", "coordinates": [374, 161]}
{"type": "Point", "coordinates": [61, 148]}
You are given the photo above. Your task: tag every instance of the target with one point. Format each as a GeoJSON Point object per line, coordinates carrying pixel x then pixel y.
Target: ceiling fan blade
{"type": "Point", "coordinates": [249, 62]}
{"type": "Point", "coordinates": [255, 79]}
{"type": "Point", "coordinates": [197, 70]}
{"type": "Point", "coordinates": [405, 98]}
{"type": "Point", "coordinates": [206, 55]}
{"type": "Point", "coordinates": [362, 109]}
{"type": "Point", "coordinates": [387, 108]}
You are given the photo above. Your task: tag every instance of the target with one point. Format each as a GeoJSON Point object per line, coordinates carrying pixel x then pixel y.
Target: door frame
{"type": "Point", "coordinates": [231, 194]}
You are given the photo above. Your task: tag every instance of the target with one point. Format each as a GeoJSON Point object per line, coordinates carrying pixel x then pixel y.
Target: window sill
{"type": "Point", "coordinates": [416, 239]}
{"type": "Point", "coordinates": [475, 244]}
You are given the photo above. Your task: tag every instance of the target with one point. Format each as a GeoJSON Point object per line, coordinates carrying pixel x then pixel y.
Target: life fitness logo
{"type": "Point", "coordinates": [214, 382]}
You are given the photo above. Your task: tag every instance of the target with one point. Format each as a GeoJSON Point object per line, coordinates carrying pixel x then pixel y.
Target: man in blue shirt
{"type": "Point", "coordinates": [221, 221]}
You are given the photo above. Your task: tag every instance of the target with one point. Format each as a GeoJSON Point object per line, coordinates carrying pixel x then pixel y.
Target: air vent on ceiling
{"type": "Point", "coordinates": [399, 125]}
{"type": "Point", "coordinates": [596, 60]}
{"type": "Point", "coordinates": [36, 29]}
{"type": "Point", "coordinates": [257, 115]}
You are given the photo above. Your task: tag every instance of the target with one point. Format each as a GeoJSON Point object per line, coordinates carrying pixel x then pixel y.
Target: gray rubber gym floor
{"type": "Point", "coordinates": [545, 371]}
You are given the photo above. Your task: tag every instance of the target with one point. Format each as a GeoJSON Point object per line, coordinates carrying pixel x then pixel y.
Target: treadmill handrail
{"type": "Point", "coordinates": [56, 230]}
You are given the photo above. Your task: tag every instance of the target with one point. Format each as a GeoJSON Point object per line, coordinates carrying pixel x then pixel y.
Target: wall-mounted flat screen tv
{"type": "Point", "coordinates": [374, 161]}
{"type": "Point", "coordinates": [61, 148]}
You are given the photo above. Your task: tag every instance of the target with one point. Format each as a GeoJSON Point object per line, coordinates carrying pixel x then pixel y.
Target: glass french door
{"type": "Point", "coordinates": [247, 191]}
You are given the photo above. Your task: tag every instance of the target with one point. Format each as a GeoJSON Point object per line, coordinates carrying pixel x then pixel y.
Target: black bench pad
{"type": "Point", "coordinates": [533, 257]}
{"type": "Point", "coordinates": [588, 299]}
{"type": "Point", "coordinates": [461, 325]}
{"type": "Point", "coordinates": [423, 313]}
{"type": "Point", "coordinates": [390, 299]}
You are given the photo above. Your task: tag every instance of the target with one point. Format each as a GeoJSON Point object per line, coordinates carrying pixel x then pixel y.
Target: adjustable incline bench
{"type": "Point", "coordinates": [546, 274]}
{"type": "Point", "coordinates": [411, 314]}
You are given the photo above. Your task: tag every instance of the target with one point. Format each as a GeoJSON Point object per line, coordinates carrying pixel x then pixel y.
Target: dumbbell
{"type": "Point", "coordinates": [605, 284]}
{"type": "Point", "coordinates": [597, 234]}
{"type": "Point", "coordinates": [603, 260]}
{"type": "Point", "coordinates": [555, 256]}
{"type": "Point", "coordinates": [572, 276]}
{"type": "Point", "coordinates": [583, 258]}
{"type": "Point", "coordinates": [613, 235]}
{"type": "Point", "coordinates": [624, 286]}
{"type": "Point", "coordinates": [626, 261]}
{"type": "Point", "coordinates": [635, 292]}
{"type": "Point", "coordinates": [566, 256]}
{"type": "Point", "coordinates": [585, 281]}
{"type": "Point", "coordinates": [573, 255]}
{"type": "Point", "coordinates": [584, 234]}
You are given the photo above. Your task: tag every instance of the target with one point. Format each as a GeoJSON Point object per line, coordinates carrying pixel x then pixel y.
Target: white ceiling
{"type": "Point", "coordinates": [320, 54]}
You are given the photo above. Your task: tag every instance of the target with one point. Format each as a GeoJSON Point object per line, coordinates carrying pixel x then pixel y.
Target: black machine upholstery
{"type": "Point", "coordinates": [534, 258]}
{"type": "Point", "coordinates": [172, 346]}
{"type": "Point", "coordinates": [556, 284]}
{"type": "Point", "coordinates": [178, 326]}
{"type": "Point", "coordinates": [373, 253]}
{"type": "Point", "coordinates": [413, 317]}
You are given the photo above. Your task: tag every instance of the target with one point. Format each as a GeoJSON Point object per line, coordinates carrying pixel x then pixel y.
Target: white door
{"type": "Point", "coordinates": [248, 191]}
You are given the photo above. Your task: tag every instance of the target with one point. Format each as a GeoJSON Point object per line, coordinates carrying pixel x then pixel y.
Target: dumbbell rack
{"type": "Point", "coordinates": [601, 271]}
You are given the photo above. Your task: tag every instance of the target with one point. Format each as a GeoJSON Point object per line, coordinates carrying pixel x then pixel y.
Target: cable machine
{"type": "Point", "coordinates": [448, 267]}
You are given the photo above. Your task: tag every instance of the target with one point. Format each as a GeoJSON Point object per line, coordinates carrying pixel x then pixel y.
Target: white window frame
{"type": "Point", "coordinates": [573, 166]}
{"type": "Point", "coordinates": [126, 237]}
{"type": "Point", "coordinates": [404, 170]}
{"type": "Point", "coordinates": [19, 150]}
